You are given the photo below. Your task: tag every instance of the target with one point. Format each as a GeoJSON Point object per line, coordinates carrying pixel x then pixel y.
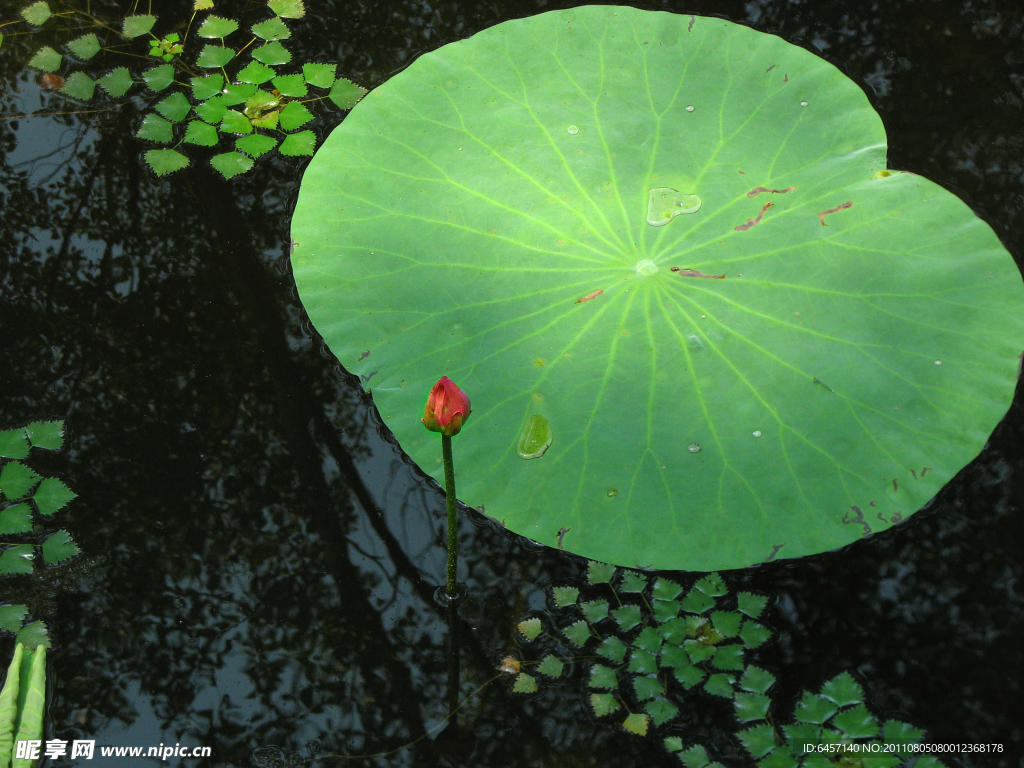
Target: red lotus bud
{"type": "Point", "coordinates": [447, 408]}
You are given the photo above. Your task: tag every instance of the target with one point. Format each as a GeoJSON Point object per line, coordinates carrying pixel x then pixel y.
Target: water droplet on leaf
{"type": "Point", "coordinates": [573, 130]}
{"type": "Point", "coordinates": [693, 447]}
{"type": "Point", "coordinates": [535, 437]}
{"type": "Point", "coordinates": [664, 204]}
{"type": "Point", "coordinates": [646, 267]}
{"type": "Point", "coordinates": [689, 108]}
{"type": "Point", "coordinates": [613, 492]}
{"type": "Point", "coordinates": [757, 433]}
{"type": "Point", "coordinates": [938, 362]}
{"type": "Point", "coordinates": [803, 103]}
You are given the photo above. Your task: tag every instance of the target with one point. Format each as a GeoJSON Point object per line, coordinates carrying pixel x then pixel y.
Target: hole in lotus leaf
{"type": "Point", "coordinates": [664, 204]}
{"type": "Point", "coordinates": [535, 438]}
{"type": "Point", "coordinates": [620, 401]}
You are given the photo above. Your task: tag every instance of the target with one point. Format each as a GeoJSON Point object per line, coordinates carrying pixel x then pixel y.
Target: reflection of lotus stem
{"type": "Point", "coordinates": [453, 523]}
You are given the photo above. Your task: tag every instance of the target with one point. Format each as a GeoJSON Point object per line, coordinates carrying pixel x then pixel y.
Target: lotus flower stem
{"type": "Point", "coordinates": [453, 521]}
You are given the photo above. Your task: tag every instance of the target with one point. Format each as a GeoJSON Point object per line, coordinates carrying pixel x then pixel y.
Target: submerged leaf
{"type": "Point", "coordinates": [164, 161]}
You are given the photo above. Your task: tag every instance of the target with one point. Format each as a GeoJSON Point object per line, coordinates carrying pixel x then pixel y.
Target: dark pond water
{"type": "Point", "coordinates": [259, 561]}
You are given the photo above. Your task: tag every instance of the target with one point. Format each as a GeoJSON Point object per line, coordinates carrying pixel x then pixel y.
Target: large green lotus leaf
{"type": "Point", "coordinates": [674, 239]}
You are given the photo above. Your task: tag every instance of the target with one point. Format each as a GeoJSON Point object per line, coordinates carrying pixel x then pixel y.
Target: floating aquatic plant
{"type": "Point", "coordinates": [216, 85]}
{"type": "Point", "coordinates": [704, 325]}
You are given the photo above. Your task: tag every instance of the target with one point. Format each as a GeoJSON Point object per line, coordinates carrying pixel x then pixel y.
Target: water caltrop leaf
{"type": "Point", "coordinates": [612, 648]}
{"type": "Point", "coordinates": [595, 610]}
{"type": "Point", "coordinates": [16, 519]}
{"type": "Point", "coordinates": [289, 9]}
{"type": "Point", "coordinates": [720, 685]}
{"type": "Point", "coordinates": [695, 757]}
{"type": "Point", "coordinates": [85, 47]}
{"type": "Point", "coordinates": [320, 75]}
{"type": "Point", "coordinates": [664, 610]}
{"type": "Point", "coordinates": [254, 72]}
{"type": "Point", "coordinates": [599, 573]}
{"type": "Point", "coordinates": [524, 684]}
{"type": "Point", "coordinates": [578, 633]}
{"type": "Point", "coordinates": [751, 604]}
{"type": "Point", "coordinates": [79, 86]}
{"type": "Point", "coordinates": [36, 13]}
{"type": "Point", "coordinates": [637, 723]}
{"type": "Point", "coordinates": [255, 145]}
{"type": "Point", "coordinates": [17, 559]}
{"type": "Point", "coordinates": [235, 122]}
{"type": "Point", "coordinates": [758, 740]}
{"type": "Point", "coordinates": [205, 87]}
{"type": "Point", "coordinates": [135, 26]}
{"type": "Point", "coordinates": [291, 85]}
{"type": "Point", "coordinates": [843, 690]}
{"type": "Point", "coordinates": [212, 110]}
{"type": "Point", "coordinates": [52, 495]}
{"type": "Point", "coordinates": [346, 94]}
{"type": "Point", "coordinates": [813, 709]}
{"type": "Point", "coordinates": [272, 53]}
{"type": "Point", "coordinates": [13, 444]}
{"type": "Point", "coordinates": [160, 77]}
{"type": "Point", "coordinates": [727, 623]}
{"type": "Point", "coordinates": [16, 480]}
{"type": "Point", "coordinates": [712, 585]}
{"type": "Point", "coordinates": [647, 688]}
{"type": "Point", "coordinates": [632, 582]}
{"type": "Point", "coordinates": [856, 722]}
{"type": "Point", "coordinates": [665, 589]}
{"type": "Point", "coordinates": [298, 144]}
{"type": "Point", "coordinates": [602, 677]}
{"type": "Point", "coordinates": [155, 128]}
{"type": "Point", "coordinates": [756, 680]}
{"type": "Point", "coordinates": [45, 60]}
{"type": "Point", "coordinates": [642, 663]}
{"type": "Point", "coordinates": [551, 666]}
{"type": "Point", "coordinates": [58, 547]}
{"type": "Point", "coordinates": [165, 161]}
{"type": "Point", "coordinates": [116, 82]}
{"type": "Point", "coordinates": [215, 26]}
{"type": "Point", "coordinates": [239, 93]}
{"type": "Point", "coordinates": [563, 597]}
{"type": "Point", "coordinates": [648, 640]}
{"type": "Point", "coordinates": [754, 635]}
{"type": "Point", "coordinates": [661, 711]}
{"type": "Point", "coordinates": [175, 107]}
{"type": "Point", "coordinates": [272, 29]}
{"type": "Point", "coordinates": [697, 602]}
{"type": "Point", "coordinates": [530, 628]}
{"type": "Point", "coordinates": [603, 704]}
{"type": "Point", "coordinates": [11, 617]}
{"type": "Point", "coordinates": [214, 56]}
{"type": "Point", "coordinates": [627, 617]}
{"type": "Point", "coordinates": [689, 676]}
{"type": "Point", "coordinates": [751, 706]}
{"type": "Point", "coordinates": [729, 657]}
{"type": "Point", "coordinates": [202, 5]}
{"type": "Point", "coordinates": [767, 334]}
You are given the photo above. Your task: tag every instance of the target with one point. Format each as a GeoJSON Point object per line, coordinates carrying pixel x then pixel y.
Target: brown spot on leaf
{"type": "Point", "coordinates": [758, 190]}
{"type": "Point", "coordinates": [365, 355]}
{"type": "Point", "coordinates": [753, 222]}
{"type": "Point", "coordinates": [775, 551]}
{"type": "Point", "coordinates": [926, 470]}
{"type": "Point", "coordinates": [369, 376]}
{"type": "Point", "coordinates": [590, 296]}
{"type": "Point", "coordinates": [823, 214]}
{"type": "Point", "coordinates": [859, 519]}
{"type": "Point", "coordinates": [687, 272]}
{"type": "Point", "coordinates": [914, 474]}
{"type": "Point", "coordinates": [773, 66]}
{"type": "Point", "coordinates": [689, 27]}
{"type": "Point", "coordinates": [872, 504]}
{"type": "Point", "coordinates": [561, 535]}
{"type": "Point", "coordinates": [785, 78]}
{"type": "Point", "coordinates": [896, 517]}
{"type": "Point", "coordinates": [895, 485]}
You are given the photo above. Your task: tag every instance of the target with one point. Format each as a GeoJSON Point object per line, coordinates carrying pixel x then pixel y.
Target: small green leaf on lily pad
{"type": "Point", "coordinates": [165, 161]}
{"type": "Point", "coordinates": [17, 479]}
{"type": "Point", "coordinates": [239, 93]}
{"type": "Point", "coordinates": [666, 610]}
{"type": "Point", "coordinates": [201, 134]}
{"type": "Point", "coordinates": [136, 26]}
{"type": "Point", "coordinates": [857, 722]}
{"type": "Point", "coordinates": [214, 56]}
{"type": "Point", "coordinates": [758, 740]}
{"type": "Point", "coordinates": [288, 9]}
{"type": "Point", "coordinates": [160, 77]}
{"type": "Point", "coordinates": [295, 115]}
{"type": "Point", "coordinates": [320, 75]}
{"type": "Point", "coordinates": [155, 128]}
{"type": "Point", "coordinates": [33, 635]}
{"type": "Point", "coordinates": [665, 589]}
{"type": "Point", "coordinates": [754, 635]}
{"type": "Point", "coordinates": [272, 53]}
{"type": "Point", "coordinates": [346, 94]}
{"type": "Point", "coordinates": [205, 87]}
{"type": "Point", "coordinates": [59, 546]}
{"type": "Point", "coordinates": [599, 573]}
{"type": "Point", "coordinates": [751, 706]}
{"type": "Point", "coordinates": [524, 684]}
{"type": "Point", "coordinates": [254, 72]}
{"type": "Point", "coordinates": [633, 582]}
{"type": "Point", "coordinates": [642, 662]}
{"type": "Point", "coordinates": [17, 559]}
{"type": "Point", "coordinates": [661, 711]}
{"type": "Point", "coordinates": [116, 82]}
{"type": "Point", "coordinates": [235, 122]}
{"type": "Point", "coordinates": [726, 623]}
{"type": "Point", "coordinates": [612, 648]}
{"type": "Point", "coordinates": [751, 604]}
{"type": "Point", "coordinates": [36, 13]}
{"type": "Point", "coordinates": [720, 685]}
{"type": "Point", "coordinates": [215, 26]}
{"type": "Point", "coordinates": [45, 60]}
{"type": "Point", "coordinates": [712, 585]}
{"type": "Point", "coordinates": [530, 628]}
{"type": "Point", "coordinates": [85, 47]}
{"type": "Point", "coordinates": [602, 677]}
{"type": "Point", "coordinates": [79, 86]}
{"type": "Point", "coordinates": [695, 757]}
{"type": "Point", "coordinates": [603, 704]}
{"type": "Point", "coordinates": [551, 666]}
{"type": "Point", "coordinates": [648, 688]}
{"type": "Point", "coordinates": [175, 107]}
{"type": "Point", "coordinates": [563, 597]}
{"type": "Point", "coordinates": [298, 144]}
{"type": "Point", "coordinates": [578, 633]}
{"type": "Point", "coordinates": [291, 85]}
{"type": "Point", "coordinates": [16, 519]}
{"type": "Point", "coordinates": [689, 676]}
{"type": "Point", "coordinates": [814, 709]}
{"type": "Point", "coordinates": [843, 690]}
{"type": "Point", "coordinates": [637, 723]}
{"type": "Point", "coordinates": [272, 29]}
{"type": "Point", "coordinates": [697, 602]}
{"type": "Point", "coordinates": [14, 444]}
{"type": "Point", "coordinates": [757, 680]}
{"type": "Point", "coordinates": [729, 657]}
{"type": "Point", "coordinates": [627, 616]}
{"type": "Point", "coordinates": [255, 145]}
{"type": "Point", "coordinates": [11, 617]}
{"type": "Point", "coordinates": [212, 110]}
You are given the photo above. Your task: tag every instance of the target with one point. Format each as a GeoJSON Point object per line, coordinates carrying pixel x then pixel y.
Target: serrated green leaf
{"type": "Point", "coordinates": [530, 628]}
{"type": "Point", "coordinates": [551, 666]}
{"type": "Point", "coordinates": [215, 26]}
{"type": "Point", "coordinates": [758, 740]}
{"type": "Point", "coordinates": [674, 656]}
{"type": "Point", "coordinates": [17, 559]}
{"type": "Point", "coordinates": [562, 597]}
{"type": "Point", "coordinates": [578, 633]}
{"type": "Point", "coordinates": [288, 9]}
{"type": "Point", "coordinates": [603, 704]}
{"type": "Point", "coordinates": [751, 604]}
{"type": "Point", "coordinates": [85, 47]}
{"type": "Point", "coordinates": [799, 734]}
{"type": "Point", "coordinates": [599, 573]}
{"type": "Point", "coordinates": [602, 677]}
{"type": "Point", "coordinates": [780, 758]}
{"type": "Point", "coordinates": [117, 82]}
{"type": "Point", "coordinates": [595, 610]}
{"type": "Point", "coordinates": [33, 635]}
{"type": "Point", "coordinates": [79, 86]}
{"type": "Point", "coordinates": [346, 94]}
{"type": "Point", "coordinates": [857, 723]}
{"type": "Point", "coordinates": [612, 648]}
{"type": "Point", "coordinates": [11, 617]}
{"type": "Point", "coordinates": [52, 495]}
{"type": "Point", "coordinates": [897, 732]}
{"type": "Point", "coordinates": [674, 631]}
{"type": "Point", "coordinates": [202, 134]}
{"type": "Point", "coordinates": [637, 723]}
{"type": "Point", "coordinates": [754, 635]}
{"type": "Point", "coordinates": [212, 110]}
{"type": "Point", "coordinates": [928, 761]}
{"type": "Point", "coordinates": [235, 122]}
{"type": "Point", "coordinates": [160, 77]}
{"type": "Point", "coordinates": [689, 676]}
{"type": "Point", "coordinates": [666, 610]}
{"type": "Point", "coordinates": [320, 75]}
{"type": "Point", "coordinates": [59, 546]}
{"type": "Point", "coordinates": [255, 145]}
{"type": "Point", "coordinates": [14, 444]}
{"type": "Point", "coordinates": [291, 85]}
{"type": "Point", "coordinates": [720, 685]}
{"type": "Point", "coordinates": [647, 688]}
{"type": "Point", "coordinates": [205, 87]}
{"type": "Point", "coordinates": [697, 602]}
{"type": "Point", "coordinates": [633, 582]}
{"type": "Point", "coordinates": [238, 93]}
{"type": "Point", "coordinates": [294, 115]}
{"type": "Point", "coordinates": [136, 26]}
{"type": "Point", "coordinates": [751, 706]}
{"type": "Point", "coordinates": [524, 684]}
{"type": "Point", "coordinates": [642, 662]}
{"type": "Point", "coordinates": [267, 120]}
{"type": "Point", "coordinates": [712, 585]}
{"type": "Point", "coordinates": [37, 13]}
{"type": "Point", "coordinates": [17, 479]}
{"type": "Point", "coordinates": [627, 616]}
{"type": "Point", "coordinates": [843, 690]}
{"type": "Point", "coordinates": [45, 60]}
{"type": "Point", "coordinates": [814, 709]}
{"type": "Point", "coordinates": [214, 56]}
{"type": "Point", "coordinates": [155, 128]}
{"type": "Point", "coordinates": [175, 107]}
{"type": "Point", "coordinates": [16, 519]}
{"type": "Point", "coordinates": [255, 73]}
{"type": "Point", "coordinates": [298, 144]}
{"type": "Point", "coordinates": [165, 161]}
{"type": "Point", "coordinates": [648, 640]}
{"type": "Point", "coordinates": [727, 623]}
{"type": "Point", "coordinates": [695, 757]}
{"type": "Point", "coordinates": [661, 711]}
{"type": "Point", "coordinates": [272, 53]}
{"type": "Point", "coordinates": [665, 589]}
{"type": "Point", "coordinates": [673, 744]}
{"type": "Point", "coordinates": [272, 29]}
{"type": "Point", "coordinates": [261, 100]}
{"type": "Point", "coordinates": [202, 5]}
{"type": "Point", "coordinates": [729, 657]}
{"type": "Point", "coordinates": [757, 680]}
{"type": "Point", "coordinates": [699, 651]}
